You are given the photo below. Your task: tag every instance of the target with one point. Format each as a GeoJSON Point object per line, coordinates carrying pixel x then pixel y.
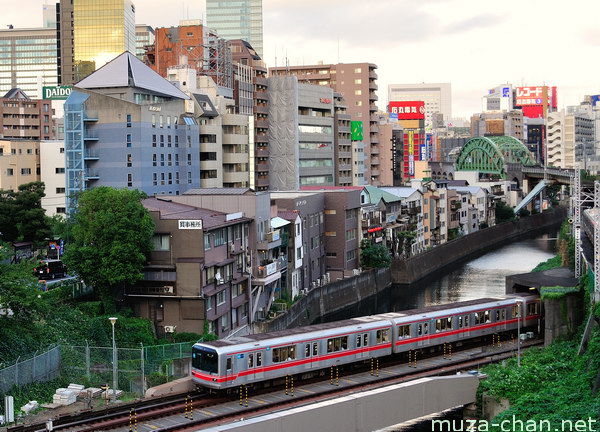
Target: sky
{"type": "Point", "coordinates": [473, 44]}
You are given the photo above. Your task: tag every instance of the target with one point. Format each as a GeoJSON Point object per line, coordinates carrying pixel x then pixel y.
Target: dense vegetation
{"type": "Point", "coordinates": [554, 383]}
{"type": "Point", "coordinates": [374, 255]}
{"type": "Point", "coordinates": [22, 217]}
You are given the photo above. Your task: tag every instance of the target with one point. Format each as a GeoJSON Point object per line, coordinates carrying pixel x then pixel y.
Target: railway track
{"type": "Point", "coordinates": [202, 410]}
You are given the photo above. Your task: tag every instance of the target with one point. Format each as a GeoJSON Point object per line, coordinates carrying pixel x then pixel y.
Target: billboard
{"type": "Point", "coordinates": [408, 110]}
{"type": "Point", "coordinates": [56, 92]}
{"type": "Point", "coordinates": [594, 99]}
{"type": "Point", "coordinates": [532, 96]}
{"type": "Point", "coordinates": [412, 142]}
{"type": "Point", "coordinates": [356, 127]}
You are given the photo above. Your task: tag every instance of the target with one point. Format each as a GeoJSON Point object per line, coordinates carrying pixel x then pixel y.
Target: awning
{"type": "Point", "coordinates": [278, 222]}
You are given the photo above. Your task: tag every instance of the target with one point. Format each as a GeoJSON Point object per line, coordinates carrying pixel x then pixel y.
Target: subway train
{"type": "Point", "coordinates": [252, 359]}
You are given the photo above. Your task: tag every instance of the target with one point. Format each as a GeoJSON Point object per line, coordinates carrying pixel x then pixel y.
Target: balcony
{"type": "Point", "coordinates": [90, 136]}
{"type": "Point", "coordinates": [235, 158]}
{"type": "Point", "coordinates": [261, 152]}
{"type": "Point", "coordinates": [267, 273]}
{"type": "Point", "coordinates": [272, 240]}
{"type": "Point", "coordinates": [90, 155]}
{"type": "Point", "coordinates": [261, 95]}
{"type": "Point", "coordinates": [372, 85]}
{"type": "Point", "coordinates": [261, 123]}
{"type": "Point", "coordinates": [373, 75]}
{"type": "Point", "coordinates": [262, 167]}
{"type": "Point", "coordinates": [344, 167]}
{"type": "Point", "coordinates": [414, 210]}
{"type": "Point", "coordinates": [262, 81]}
{"type": "Point", "coordinates": [373, 96]}
{"type": "Point", "coordinates": [261, 109]}
{"type": "Point", "coordinates": [374, 150]}
{"type": "Point", "coordinates": [90, 174]}
{"type": "Point", "coordinates": [262, 181]}
{"type": "Point", "coordinates": [374, 160]}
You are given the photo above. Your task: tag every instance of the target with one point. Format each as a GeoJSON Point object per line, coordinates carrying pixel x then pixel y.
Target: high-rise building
{"type": "Point", "coordinates": [356, 82]}
{"type": "Point", "coordinates": [301, 146]}
{"type": "Point", "coordinates": [237, 19]}
{"type": "Point", "coordinates": [144, 36]}
{"type": "Point", "coordinates": [91, 33]}
{"type": "Point", "coordinates": [570, 137]}
{"type": "Point", "coordinates": [436, 96]}
{"type": "Point", "coordinates": [28, 60]}
{"type": "Point", "coordinates": [251, 94]}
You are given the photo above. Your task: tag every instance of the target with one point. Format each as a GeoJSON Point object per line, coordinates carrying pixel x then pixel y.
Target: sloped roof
{"type": "Point", "coordinates": [127, 70]}
{"type": "Point", "coordinates": [218, 191]}
{"type": "Point", "coordinates": [376, 194]}
{"type": "Point", "coordinates": [402, 192]}
{"type": "Point", "coordinates": [173, 210]}
{"type": "Point", "coordinates": [16, 93]}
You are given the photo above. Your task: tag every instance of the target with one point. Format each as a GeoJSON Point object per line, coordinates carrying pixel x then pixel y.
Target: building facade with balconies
{"type": "Point", "coordinates": [25, 118]}
{"type": "Point", "coordinates": [125, 126]}
{"type": "Point", "coordinates": [266, 258]}
{"type": "Point", "coordinates": [196, 271]}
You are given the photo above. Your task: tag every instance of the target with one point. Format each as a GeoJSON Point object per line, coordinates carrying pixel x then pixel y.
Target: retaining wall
{"type": "Point", "coordinates": [436, 259]}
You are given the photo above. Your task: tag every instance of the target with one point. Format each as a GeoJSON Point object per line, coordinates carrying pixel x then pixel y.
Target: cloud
{"type": "Point", "coordinates": [479, 21]}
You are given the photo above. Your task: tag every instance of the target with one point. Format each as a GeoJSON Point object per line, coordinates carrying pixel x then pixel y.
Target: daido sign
{"type": "Point", "coordinates": [408, 110]}
{"type": "Point", "coordinates": [56, 92]}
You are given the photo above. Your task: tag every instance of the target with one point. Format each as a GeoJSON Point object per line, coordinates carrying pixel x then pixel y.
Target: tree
{"type": "Point", "coordinates": [374, 255]}
{"type": "Point", "coordinates": [406, 239]}
{"type": "Point", "coordinates": [503, 212]}
{"type": "Point", "coordinates": [21, 214]}
{"type": "Point", "coordinates": [111, 238]}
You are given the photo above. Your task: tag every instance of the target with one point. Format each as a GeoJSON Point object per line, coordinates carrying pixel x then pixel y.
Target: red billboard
{"type": "Point", "coordinates": [532, 96]}
{"type": "Point", "coordinates": [407, 110]}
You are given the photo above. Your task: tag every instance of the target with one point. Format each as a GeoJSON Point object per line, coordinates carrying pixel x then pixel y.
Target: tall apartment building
{"type": "Point", "coordinates": [570, 138]}
{"type": "Point", "coordinates": [342, 144]}
{"type": "Point", "coordinates": [19, 163]}
{"type": "Point", "coordinates": [125, 126]}
{"type": "Point", "coordinates": [90, 34]}
{"type": "Point", "coordinates": [437, 98]}
{"type": "Point", "coordinates": [239, 19]}
{"type": "Point", "coordinates": [356, 82]}
{"type": "Point", "coordinates": [28, 60]}
{"type": "Point", "coordinates": [144, 36]}
{"type": "Point", "coordinates": [24, 118]}
{"type": "Point", "coordinates": [301, 139]}
{"type": "Point", "coordinates": [254, 92]}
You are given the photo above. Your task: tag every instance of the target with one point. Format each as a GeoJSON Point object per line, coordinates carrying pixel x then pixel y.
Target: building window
{"type": "Point", "coordinates": [350, 255]}
{"type": "Point", "coordinates": [189, 178]}
{"type": "Point", "coordinates": [9, 172]}
{"type": "Point", "coordinates": [220, 237]}
{"type": "Point", "coordinates": [128, 120]}
{"type": "Point", "coordinates": [176, 141]}
{"type": "Point", "coordinates": [162, 140]}
{"type": "Point", "coordinates": [206, 241]}
{"type": "Point", "coordinates": [162, 160]}
{"type": "Point", "coordinates": [351, 234]}
{"type": "Point", "coordinates": [128, 140]}
{"type": "Point", "coordinates": [153, 120]}
{"type": "Point", "coordinates": [189, 159]}
{"type": "Point", "coordinates": [358, 81]}
{"type": "Point", "coordinates": [168, 139]}
{"type": "Point", "coordinates": [129, 180]}
{"type": "Point", "coordinates": [153, 140]}
{"type": "Point", "coordinates": [61, 210]}
{"type": "Point", "coordinates": [161, 242]}
{"type": "Point", "coordinates": [154, 179]}
{"type": "Point", "coordinates": [27, 171]}
{"type": "Point", "coordinates": [358, 92]}
{"type": "Point", "coordinates": [160, 120]}
{"type": "Point", "coordinates": [154, 159]}
{"type": "Point", "coordinates": [46, 108]}
{"type": "Point", "coordinates": [221, 297]}
{"type": "Point", "coordinates": [61, 150]}
{"type": "Point", "coordinates": [129, 159]}
{"type": "Point", "coordinates": [176, 159]}
{"type": "Point", "coordinates": [60, 190]}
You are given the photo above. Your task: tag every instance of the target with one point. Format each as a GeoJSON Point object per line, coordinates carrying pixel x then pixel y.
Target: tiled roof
{"type": "Point", "coordinates": [218, 191]}
{"type": "Point", "coordinates": [376, 194]}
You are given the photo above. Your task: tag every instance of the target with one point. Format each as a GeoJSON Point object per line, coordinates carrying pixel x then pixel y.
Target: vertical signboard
{"type": "Point", "coordinates": [356, 128]}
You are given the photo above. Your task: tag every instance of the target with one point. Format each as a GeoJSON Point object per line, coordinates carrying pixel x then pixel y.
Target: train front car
{"type": "Point", "coordinates": [205, 366]}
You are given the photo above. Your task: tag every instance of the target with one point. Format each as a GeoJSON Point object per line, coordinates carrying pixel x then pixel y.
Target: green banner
{"type": "Point", "coordinates": [56, 92]}
{"type": "Point", "coordinates": [357, 130]}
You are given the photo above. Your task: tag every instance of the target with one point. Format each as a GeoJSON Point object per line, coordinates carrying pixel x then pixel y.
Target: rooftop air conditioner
{"type": "Point", "coordinates": [170, 329]}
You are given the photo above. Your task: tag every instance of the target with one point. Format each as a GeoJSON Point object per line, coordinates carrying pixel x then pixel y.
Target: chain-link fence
{"type": "Point", "coordinates": [137, 368]}
{"type": "Point", "coordinates": [39, 367]}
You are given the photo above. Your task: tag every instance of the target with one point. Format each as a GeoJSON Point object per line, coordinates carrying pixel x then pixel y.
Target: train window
{"type": "Point", "coordinates": [284, 353]}
{"type": "Point", "coordinates": [366, 339]}
{"type": "Point", "coordinates": [383, 335]}
{"type": "Point", "coordinates": [404, 331]}
{"type": "Point", "coordinates": [438, 325]}
{"type": "Point", "coordinates": [466, 322]}
{"type": "Point", "coordinates": [426, 328]}
{"type": "Point", "coordinates": [358, 341]}
{"type": "Point", "coordinates": [307, 350]}
{"type": "Point", "coordinates": [515, 311]}
{"type": "Point", "coordinates": [479, 318]}
{"type": "Point", "coordinates": [443, 324]}
{"type": "Point", "coordinates": [228, 364]}
{"type": "Point", "coordinates": [258, 359]}
{"type": "Point", "coordinates": [205, 359]}
{"type": "Point", "coordinates": [315, 348]}
{"type": "Point", "coordinates": [449, 323]}
{"type": "Point", "coordinates": [337, 344]}
{"type": "Point", "coordinates": [460, 322]}
{"type": "Point", "coordinates": [503, 315]}
{"type": "Point", "coordinates": [487, 316]}
{"type": "Point", "coordinates": [250, 360]}
{"type": "Point", "coordinates": [532, 309]}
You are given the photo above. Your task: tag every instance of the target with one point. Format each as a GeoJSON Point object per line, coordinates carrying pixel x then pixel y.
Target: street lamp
{"type": "Point", "coordinates": [518, 333]}
{"type": "Point", "coordinates": [113, 320]}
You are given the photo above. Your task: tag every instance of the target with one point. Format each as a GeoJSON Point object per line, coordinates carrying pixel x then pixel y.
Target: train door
{"type": "Point", "coordinates": [256, 365]}
{"type": "Point", "coordinates": [423, 333]}
{"type": "Point", "coordinates": [361, 341]}
{"type": "Point", "coordinates": [463, 326]}
{"type": "Point", "coordinates": [228, 369]}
